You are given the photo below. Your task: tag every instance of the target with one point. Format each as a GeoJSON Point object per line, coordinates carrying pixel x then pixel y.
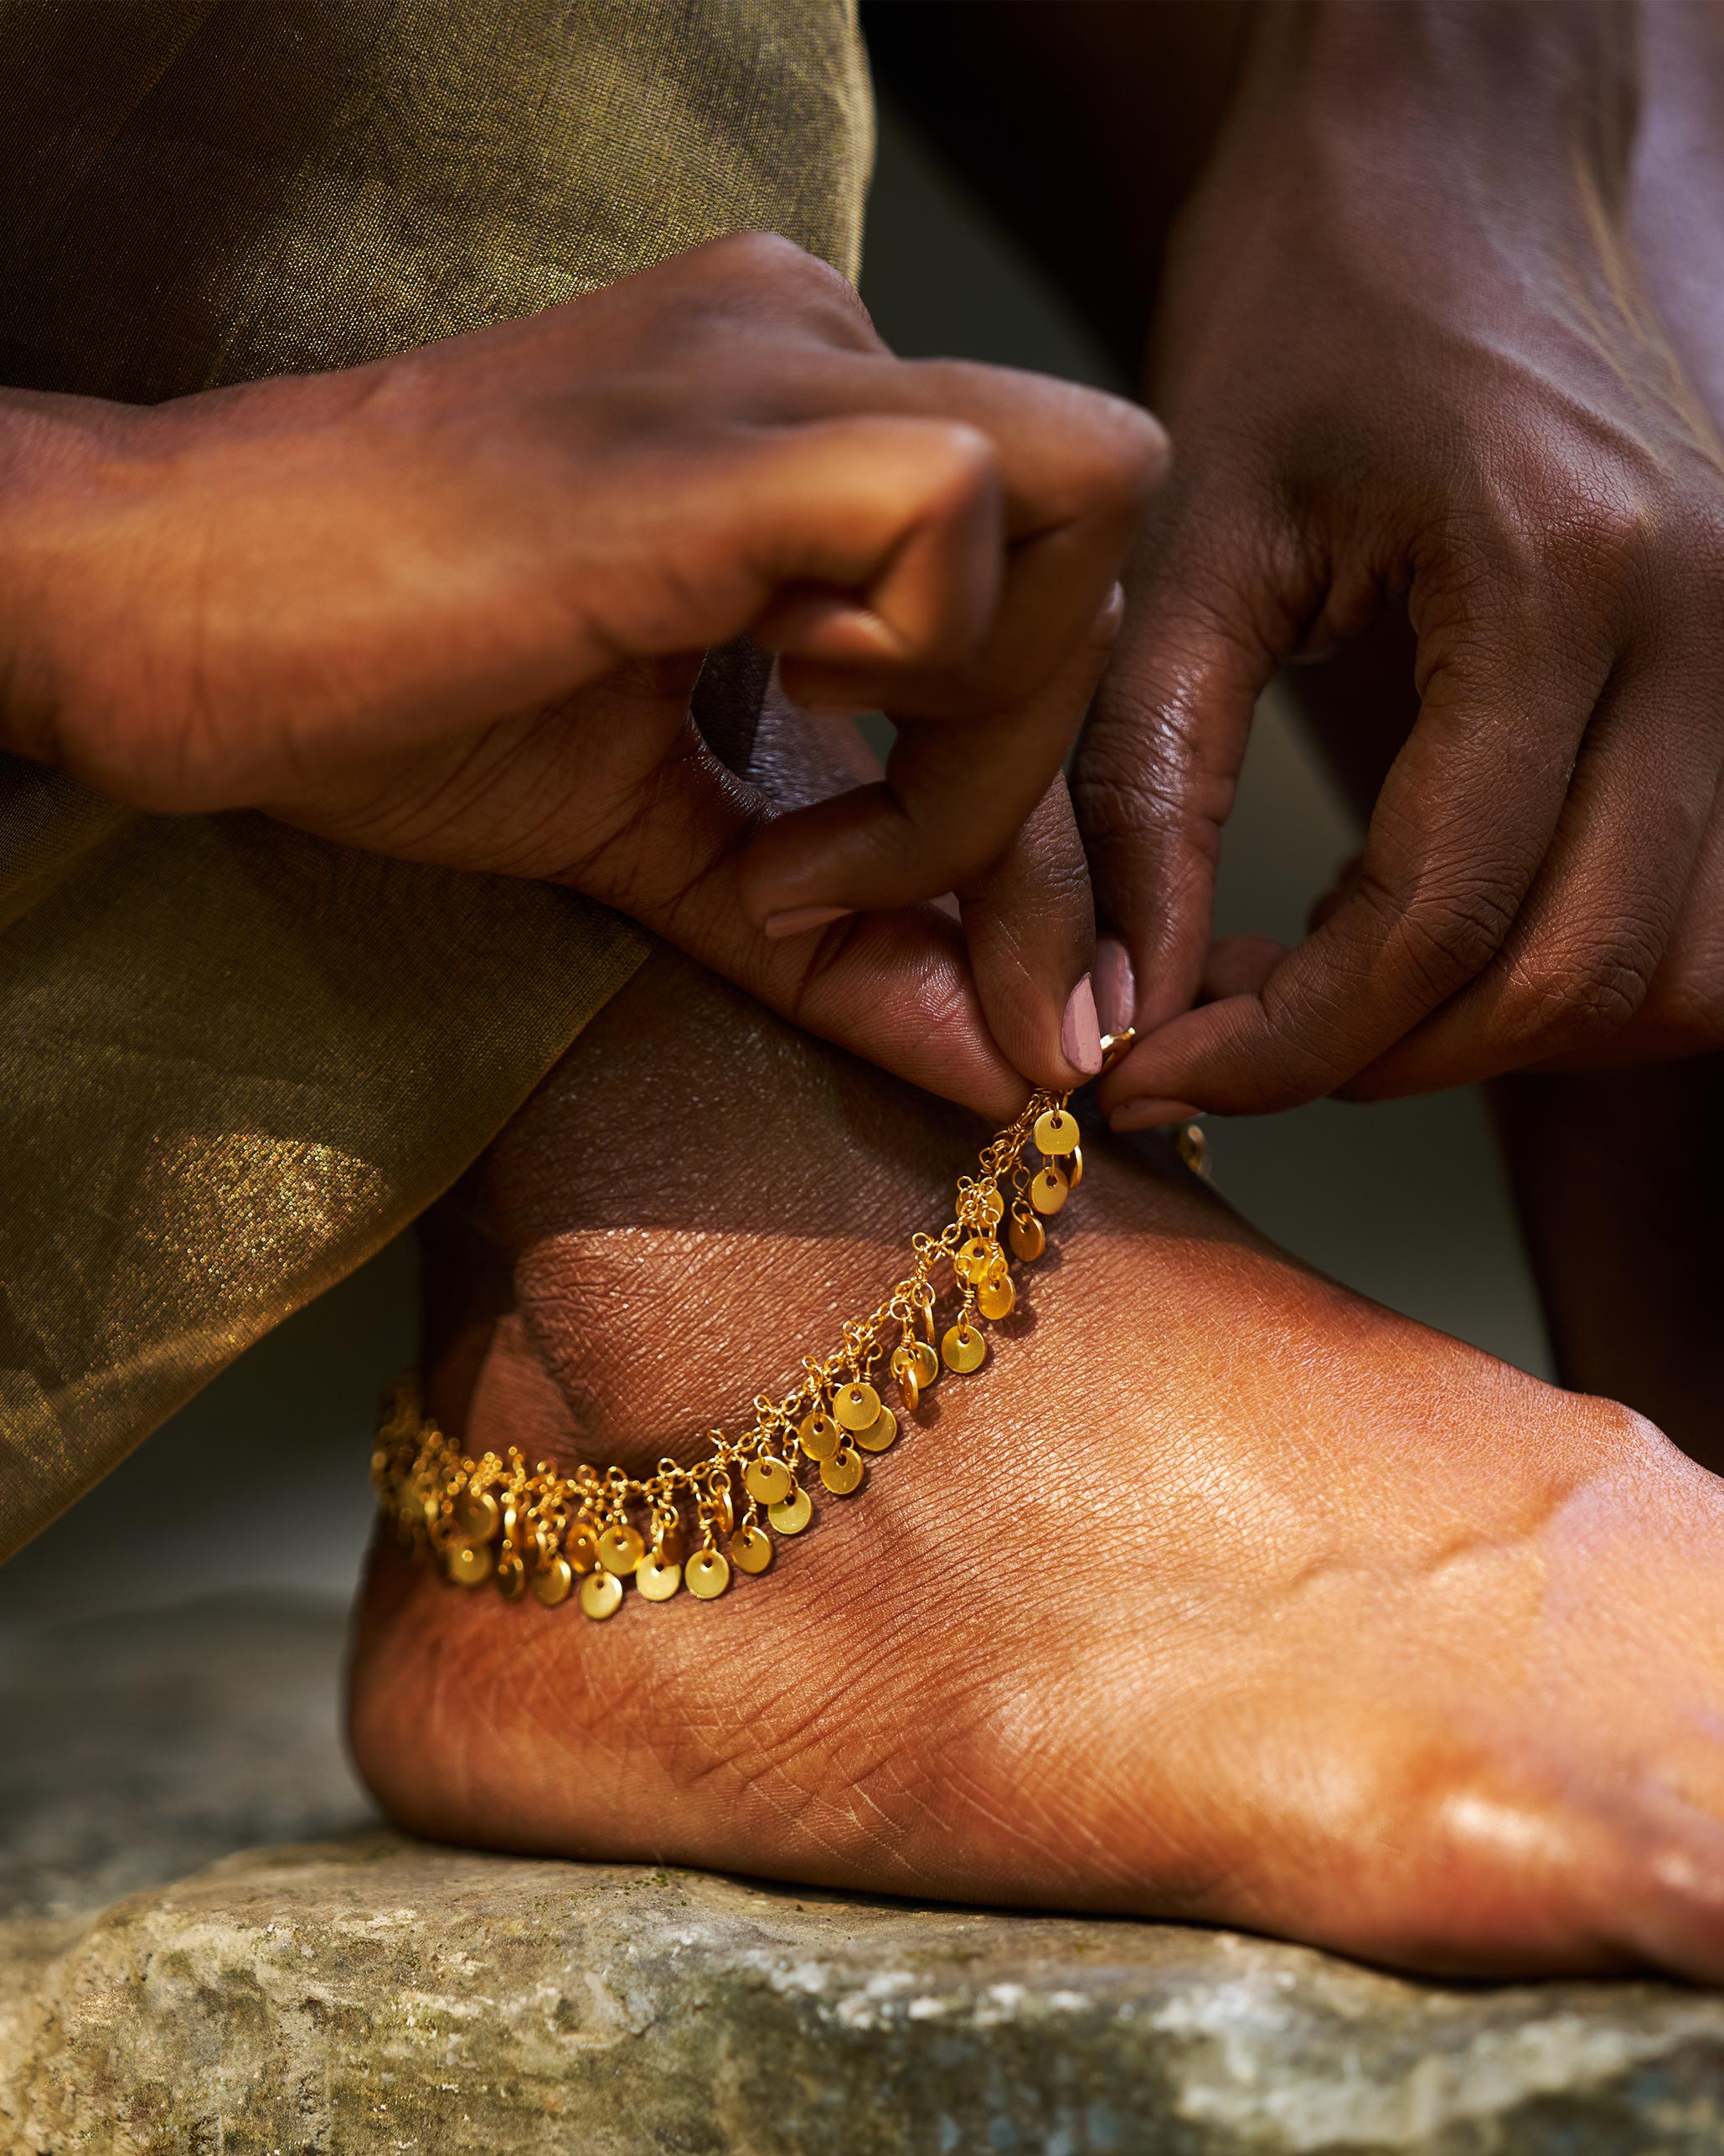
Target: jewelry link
{"type": "Point", "coordinates": [493, 1519]}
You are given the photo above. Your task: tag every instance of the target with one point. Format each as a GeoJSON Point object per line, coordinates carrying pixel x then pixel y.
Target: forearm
{"type": "Point", "coordinates": [1086, 125]}
{"type": "Point", "coordinates": [1501, 108]}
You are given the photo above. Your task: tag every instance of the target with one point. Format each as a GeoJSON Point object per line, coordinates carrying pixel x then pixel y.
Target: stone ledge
{"type": "Point", "coordinates": [379, 1995]}
{"type": "Point", "coordinates": [366, 1995]}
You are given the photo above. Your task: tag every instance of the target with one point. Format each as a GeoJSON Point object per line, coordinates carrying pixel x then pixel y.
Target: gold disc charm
{"type": "Point", "coordinates": [1048, 1190]}
{"type": "Point", "coordinates": [856, 1407]}
{"type": "Point", "coordinates": [620, 1549]}
{"type": "Point", "coordinates": [1057, 1132]}
{"type": "Point", "coordinates": [657, 1576]}
{"type": "Point", "coordinates": [1074, 1168]}
{"type": "Point", "coordinates": [794, 1515]}
{"type": "Point", "coordinates": [582, 1546]}
{"type": "Point", "coordinates": [768, 1481]}
{"type": "Point", "coordinates": [1029, 1238]}
{"type": "Point", "coordinates": [879, 1433]}
{"type": "Point", "coordinates": [722, 1504]}
{"type": "Point", "coordinates": [553, 1581]}
{"type": "Point", "coordinates": [842, 1475]}
{"type": "Point", "coordinates": [972, 1262]}
{"type": "Point", "coordinates": [511, 1577]}
{"type": "Point", "coordinates": [478, 1515]}
{"type": "Point", "coordinates": [602, 1595]}
{"type": "Point", "coordinates": [708, 1574]}
{"type": "Point", "coordinates": [994, 1297]}
{"type": "Point", "coordinates": [924, 1363]}
{"type": "Point", "coordinates": [964, 1347]}
{"type": "Point", "coordinates": [751, 1549]}
{"type": "Point", "coordinates": [819, 1435]}
{"type": "Point", "coordinates": [470, 1565]}
{"type": "Point", "coordinates": [908, 1391]}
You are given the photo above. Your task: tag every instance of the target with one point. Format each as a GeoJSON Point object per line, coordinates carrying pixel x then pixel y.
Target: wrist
{"type": "Point", "coordinates": [56, 457]}
{"type": "Point", "coordinates": [1494, 102]}
{"type": "Point", "coordinates": [1545, 62]}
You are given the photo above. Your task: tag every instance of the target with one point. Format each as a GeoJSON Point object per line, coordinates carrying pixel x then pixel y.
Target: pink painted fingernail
{"type": "Point", "coordinates": [1116, 985]}
{"type": "Point", "coordinates": [800, 919]}
{"type": "Point", "coordinates": [1080, 1030]}
{"type": "Point", "coordinates": [1148, 1114]}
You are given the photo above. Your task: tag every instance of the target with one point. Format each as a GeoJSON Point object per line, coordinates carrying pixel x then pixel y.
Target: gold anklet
{"type": "Point", "coordinates": [540, 1530]}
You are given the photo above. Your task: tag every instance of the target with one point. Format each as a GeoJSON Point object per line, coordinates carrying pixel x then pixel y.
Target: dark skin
{"type": "Point", "coordinates": [1288, 186]}
{"type": "Point", "coordinates": [450, 606]}
{"type": "Point", "coordinates": [1413, 300]}
{"type": "Point", "coordinates": [1218, 1593]}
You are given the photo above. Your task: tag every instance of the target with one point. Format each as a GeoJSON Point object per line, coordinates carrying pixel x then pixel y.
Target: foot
{"type": "Point", "coordinates": [1217, 1593]}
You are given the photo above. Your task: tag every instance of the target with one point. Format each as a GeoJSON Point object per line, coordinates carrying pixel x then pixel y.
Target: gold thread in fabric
{"type": "Point", "coordinates": [236, 1059]}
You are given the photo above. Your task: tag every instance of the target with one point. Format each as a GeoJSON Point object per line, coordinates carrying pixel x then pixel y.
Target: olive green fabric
{"type": "Point", "coordinates": [233, 1059]}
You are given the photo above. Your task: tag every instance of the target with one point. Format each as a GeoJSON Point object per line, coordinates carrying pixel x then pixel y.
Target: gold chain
{"type": "Point", "coordinates": [539, 1529]}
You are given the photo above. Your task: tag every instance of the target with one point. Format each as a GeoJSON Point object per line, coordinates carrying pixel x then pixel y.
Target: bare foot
{"type": "Point", "coordinates": [1218, 1593]}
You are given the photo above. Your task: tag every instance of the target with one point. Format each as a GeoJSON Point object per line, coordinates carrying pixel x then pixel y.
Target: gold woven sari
{"type": "Point", "coordinates": [234, 1059]}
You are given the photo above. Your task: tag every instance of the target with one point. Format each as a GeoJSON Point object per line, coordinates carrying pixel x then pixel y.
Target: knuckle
{"type": "Point", "coordinates": [1563, 1003]}
{"type": "Point", "coordinates": [954, 462]}
{"type": "Point", "coordinates": [1121, 792]}
{"type": "Point", "coordinates": [1602, 531]}
{"type": "Point", "coordinates": [758, 254]}
{"type": "Point", "coordinates": [1446, 936]}
{"type": "Point", "coordinates": [765, 266]}
{"type": "Point", "coordinates": [1119, 458]}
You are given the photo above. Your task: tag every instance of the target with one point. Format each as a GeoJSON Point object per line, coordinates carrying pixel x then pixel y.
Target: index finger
{"type": "Point", "coordinates": [1464, 819]}
{"type": "Point", "coordinates": [954, 795]}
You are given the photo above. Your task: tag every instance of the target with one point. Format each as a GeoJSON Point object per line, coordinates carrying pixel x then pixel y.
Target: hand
{"type": "Point", "coordinates": [1428, 370]}
{"type": "Point", "coordinates": [450, 606]}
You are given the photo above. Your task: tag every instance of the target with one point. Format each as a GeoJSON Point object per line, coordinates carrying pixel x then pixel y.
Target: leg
{"type": "Point", "coordinates": [1218, 1592]}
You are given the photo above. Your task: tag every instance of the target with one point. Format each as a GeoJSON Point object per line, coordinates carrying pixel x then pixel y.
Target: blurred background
{"type": "Point", "coordinates": [262, 1482]}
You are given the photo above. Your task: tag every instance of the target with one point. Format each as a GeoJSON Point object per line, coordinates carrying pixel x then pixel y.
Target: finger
{"type": "Point", "coordinates": [1076, 470]}
{"type": "Point", "coordinates": [1465, 818]}
{"type": "Point", "coordinates": [1236, 966]}
{"type": "Point", "coordinates": [615, 795]}
{"type": "Point", "coordinates": [1683, 1014]}
{"type": "Point", "coordinates": [1157, 765]}
{"type": "Point", "coordinates": [1028, 921]}
{"type": "Point", "coordinates": [896, 988]}
{"type": "Point", "coordinates": [874, 539]}
{"type": "Point", "coordinates": [1594, 931]}
{"type": "Point", "coordinates": [954, 795]}
{"type": "Point", "coordinates": [1031, 929]}
{"type": "Point", "coordinates": [1346, 882]}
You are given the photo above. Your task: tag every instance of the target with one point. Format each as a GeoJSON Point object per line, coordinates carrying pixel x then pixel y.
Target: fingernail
{"type": "Point", "coordinates": [800, 919]}
{"type": "Point", "coordinates": [1148, 1114]}
{"type": "Point", "coordinates": [1080, 1031]}
{"type": "Point", "coordinates": [1116, 985]}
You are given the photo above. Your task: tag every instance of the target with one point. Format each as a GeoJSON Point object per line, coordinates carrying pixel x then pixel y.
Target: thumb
{"type": "Point", "coordinates": [894, 988]}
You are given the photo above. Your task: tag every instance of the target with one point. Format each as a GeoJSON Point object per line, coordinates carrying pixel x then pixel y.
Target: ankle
{"type": "Point", "coordinates": [695, 1199]}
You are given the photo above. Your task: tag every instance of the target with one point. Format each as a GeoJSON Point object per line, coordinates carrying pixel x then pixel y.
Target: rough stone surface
{"type": "Point", "coordinates": [373, 1995]}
